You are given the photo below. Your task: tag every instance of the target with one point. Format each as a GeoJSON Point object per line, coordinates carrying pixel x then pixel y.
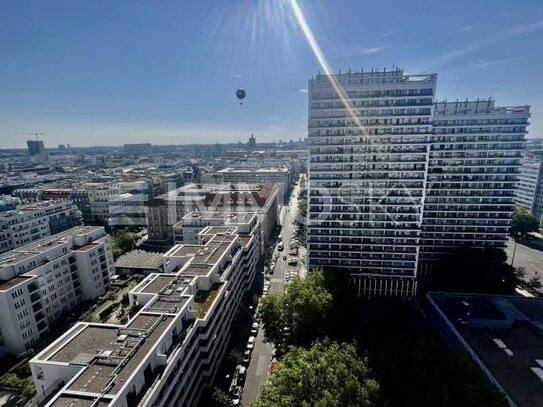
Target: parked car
{"type": "Point", "coordinates": [254, 328]}
{"type": "Point", "coordinates": [292, 261]}
{"type": "Point", "coordinates": [246, 356]}
{"type": "Point", "coordinates": [241, 373]}
{"type": "Point", "coordinates": [251, 343]}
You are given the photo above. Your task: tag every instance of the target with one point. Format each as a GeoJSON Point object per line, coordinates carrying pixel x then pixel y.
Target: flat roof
{"type": "Point", "coordinates": [111, 353]}
{"type": "Point", "coordinates": [78, 401]}
{"type": "Point", "coordinates": [43, 245]}
{"type": "Point", "coordinates": [6, 285]}
{"type": "Point", "coordinates": [140, 259]}
{"type": "Point", "coordinates": [86, 247]}
{"type": "Point", "coordinates": [506, 334]}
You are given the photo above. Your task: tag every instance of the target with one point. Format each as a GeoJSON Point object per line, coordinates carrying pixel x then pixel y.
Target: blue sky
{"type": "Point", "coordinates": [110, 72]}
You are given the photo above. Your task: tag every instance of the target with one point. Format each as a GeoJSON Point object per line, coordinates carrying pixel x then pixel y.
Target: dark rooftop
{"type": "Point", "coordinates": [506, 334]}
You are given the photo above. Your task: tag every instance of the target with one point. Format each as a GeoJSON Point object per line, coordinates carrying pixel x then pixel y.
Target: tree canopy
{"type": "Point", "coordinates": [123, 241]}
{"type": "Point", "coordinates": [326, 375]}
{"type": "Point", "coordinates": [297, 315]}
{"type": "Point", "coordinates": [523, 223]}
{"type": "Point", "coordinates": [470, 270]}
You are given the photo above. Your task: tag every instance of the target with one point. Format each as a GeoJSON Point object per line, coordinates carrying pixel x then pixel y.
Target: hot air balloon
{"type": "Point", "coordinates": [240, 94]}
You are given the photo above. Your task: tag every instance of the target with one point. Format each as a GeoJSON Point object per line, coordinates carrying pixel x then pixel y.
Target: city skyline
{"type": "Point", "coordinates": [168, 75]}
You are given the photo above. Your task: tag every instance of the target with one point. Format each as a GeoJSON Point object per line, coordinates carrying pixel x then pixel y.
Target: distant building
{"type": "Point", "coordinates": [168, 353]}
{"type": "Point", "coordinates": [529, 193]}
{"type": "Point", "coordinates": [31, 222]}
{"type": "Point", "coordinates": [8, 203]}
{"type": "Point", "coordinates": [168, 209]}
{"type": "Point", "coordinates": [35, 147]}
{"type": "Point", "coordinates": [260, 175]}
{"type": "Point", "coordinates": [502, 336]}
{"type": "Point", "coordinates": [43, 281]}
{"type": "Point", "coordinates": [251, 144]}
{"type": "Point", "coordinates": [141, 148]}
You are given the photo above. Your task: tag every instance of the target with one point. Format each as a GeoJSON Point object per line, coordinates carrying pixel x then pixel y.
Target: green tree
{"type": "Point", "coordinates": [123, 241]}
{"type": "Point", "coordinates": [220, 398]}
{"type": "Point", "coordinates": [523, 223]}
{"type": "Point", "coordinates": [534, 283]}
{"type": "Point", "coordinates": [470, 270]}
{"type": "Point", "coordinates": [327, 375]}
{"type": "Point", "coordinates": [236, 356]}
{"type": "Point", "coordinates": [297, 315]}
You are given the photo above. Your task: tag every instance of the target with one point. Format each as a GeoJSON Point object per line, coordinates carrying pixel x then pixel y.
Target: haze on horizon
{"type": "Point", "coordinates": [103, 73]}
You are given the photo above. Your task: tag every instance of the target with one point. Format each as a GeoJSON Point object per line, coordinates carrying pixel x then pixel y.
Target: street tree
{"type": "Point", "coordinates": [326, 375]}
{"type": "Point", "coordinates": [523, 223]}
{"type": "Point", "coordinates": [297, 315]}
{"type": "Point", "coordinates": [471, 270]}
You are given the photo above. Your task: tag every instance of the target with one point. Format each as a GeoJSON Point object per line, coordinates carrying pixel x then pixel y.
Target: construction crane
{"type": "Point", "coordinates": [30, 134]}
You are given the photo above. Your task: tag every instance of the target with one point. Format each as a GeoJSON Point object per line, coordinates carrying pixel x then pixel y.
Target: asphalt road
{"type": "Point", "coordinates": [259, 365]}
{"type": "Point", "coordinates": [529, 258]}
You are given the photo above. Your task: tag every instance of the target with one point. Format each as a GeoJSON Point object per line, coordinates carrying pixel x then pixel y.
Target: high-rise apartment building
{"type": "Point", "coordinates": [35, 147]}
{"type": "Point", "coordinates": [397, 180]}
{"type": "Point", "coordinates": [43, 281]}
{"type": "Point", "coordinates": [473, 172]}
{"type": "Point", "coordinates": [367, 176]}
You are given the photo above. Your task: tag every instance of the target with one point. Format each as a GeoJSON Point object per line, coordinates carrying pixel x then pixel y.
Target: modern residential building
{"type": "Point", "coordinates": [367, 167]}
{"type": "Point", "coordinates": [260, 175]}
{"type": "Point", "coordinates": [529, 194]}
{"type": "Point", "coordinates": [34, 221]}
{"type": "Point", "coordinates": [188, 230]}
{"type": "Point", "coordinates": [44, 280]}
{"type": "Point", "coordinates": [168, 209]}
{"type": "Point", "coordinates": [35, 147]}
{"type": "Point", "coordinates": [473, 172]}
{"type": "Point", "coordinates": [501, 335]}
{"type": "Point", "coordinates": [396, 180]}
{"type": "Point", "coordinates": [169, 351]}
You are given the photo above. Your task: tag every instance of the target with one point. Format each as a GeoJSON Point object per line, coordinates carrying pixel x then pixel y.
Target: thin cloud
{"type": "Point", "coordinates": [356, 51]}
{"type": "Point", "coordinates": [452, 55]}
{"type": "Point", "coordinates": [372, 50]}
{"type": "Point", "coordinates": [466, 28]}
{"type": "Point", "coordinates": [486, 64]}
{"type": "Point", "coordinates": [303, 90]}
{"type": "Point", "coordinates": [235, 76]}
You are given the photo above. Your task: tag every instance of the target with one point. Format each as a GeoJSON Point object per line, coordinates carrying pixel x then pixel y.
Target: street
{"type": "Point", "coordinates": [258, 370]}
{"type": "Point", "coordinates": [529, 258]}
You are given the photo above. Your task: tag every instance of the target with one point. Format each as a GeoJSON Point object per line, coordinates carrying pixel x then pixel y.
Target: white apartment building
{"type": "Point", "coordinates": [527, 184]}
{"type": "Point", "coordinates": [169, 351]}
{"type": "Point", "coordinates": [367, 176]}
{"type": "Point", "coordinates": [405, 181]}
{"type": "Point", "coordinates": [44, 280]}
{"type": "Point", "coordinates": [188, 230]}
{"type": "Point", "coordinates": [529, 194]}
{"type": "Point", "coordinates": [473, 173]}
{"type": "Point", "coordinates": [34, 221]}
